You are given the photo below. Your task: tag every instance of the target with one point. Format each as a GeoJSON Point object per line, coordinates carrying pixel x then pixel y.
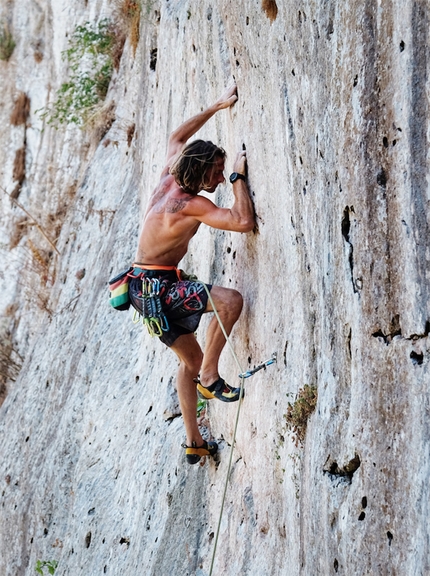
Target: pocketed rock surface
{"type": "Point", "coordinates": [333, 110]}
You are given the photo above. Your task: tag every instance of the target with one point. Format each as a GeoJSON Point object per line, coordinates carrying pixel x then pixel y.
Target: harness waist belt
{"type": "Point", "coordinates": [153, 266]}
{"type": "Point", "coordinates": [144, 267]}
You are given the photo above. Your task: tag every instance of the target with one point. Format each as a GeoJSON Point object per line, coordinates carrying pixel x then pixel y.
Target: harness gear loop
{"type": "Point", "coordinates": [152, 314]}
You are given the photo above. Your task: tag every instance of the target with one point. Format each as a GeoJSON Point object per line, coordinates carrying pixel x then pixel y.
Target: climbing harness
{"type": "Point", "coordinates": [152, 315]}
{"type": "Point", "coordinates": [242, 377]}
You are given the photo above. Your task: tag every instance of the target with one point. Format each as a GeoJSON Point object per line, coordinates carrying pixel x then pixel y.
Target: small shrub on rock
{"type": "Point", "coordinates": [92, 56]}
{"type": "Point", "coordinates": [7, 43]}
{"type": "Point", "coordinates": [299, 412]}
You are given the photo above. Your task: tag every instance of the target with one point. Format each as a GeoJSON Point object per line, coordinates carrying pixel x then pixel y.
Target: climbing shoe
{"type": "Point", "coordinates": [219, 389]}
{"type": "Point", "coordinates": [193, 453]}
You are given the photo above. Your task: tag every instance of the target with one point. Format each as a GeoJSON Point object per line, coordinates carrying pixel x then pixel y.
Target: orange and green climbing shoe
{"type": "Point", "coordinates": [193, 453]}
{"type": "Point", "coordinates": [219, 389]}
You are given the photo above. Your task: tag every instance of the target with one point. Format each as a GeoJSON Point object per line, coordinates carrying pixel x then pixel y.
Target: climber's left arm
{"type": "Point", "coordinates": [179, 137]}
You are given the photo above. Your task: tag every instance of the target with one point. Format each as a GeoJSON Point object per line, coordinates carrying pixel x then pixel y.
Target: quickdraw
{"type": "Point", "coordinates": [264, 365]}
{"type": "Point", "coordinates": [152, 313]}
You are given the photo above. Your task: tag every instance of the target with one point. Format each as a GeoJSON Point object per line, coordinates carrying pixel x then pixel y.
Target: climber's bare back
{"type": "Point", "coordinates": [166, 229]}
{"type": "Point", "coordinates": [174, 216]}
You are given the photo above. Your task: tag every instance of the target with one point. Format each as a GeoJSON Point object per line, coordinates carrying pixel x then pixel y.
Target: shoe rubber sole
{"type": "Point", "coordinates": [222, 391]}
{"type": "Point", "coordinates": [194, 453]}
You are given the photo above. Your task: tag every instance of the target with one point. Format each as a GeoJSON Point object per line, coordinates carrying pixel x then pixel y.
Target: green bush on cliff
{"type": "Point", "coordinates": [42, 564]}
{"type": "Point", "coordinates": [7, 43]}
{"type": "Point", "coordinates": [91, 58]}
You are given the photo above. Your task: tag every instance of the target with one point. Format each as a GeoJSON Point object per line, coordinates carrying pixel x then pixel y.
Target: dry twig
{"type": "Point", "coordinates": [38, 226]}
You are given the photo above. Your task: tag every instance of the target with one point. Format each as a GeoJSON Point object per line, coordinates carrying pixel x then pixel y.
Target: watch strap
{"type": "Point", "coordinates": [236, 176]}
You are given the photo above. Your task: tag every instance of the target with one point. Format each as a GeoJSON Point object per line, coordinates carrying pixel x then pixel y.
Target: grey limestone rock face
{"type": "Point", "coordinates": [333, 110]}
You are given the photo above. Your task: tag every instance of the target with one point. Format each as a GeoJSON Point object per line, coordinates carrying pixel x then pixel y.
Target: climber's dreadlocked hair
{"type": "Point", "coordinates": [192, 165]}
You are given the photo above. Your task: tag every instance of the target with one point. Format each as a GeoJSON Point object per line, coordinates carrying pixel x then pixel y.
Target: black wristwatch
{"type": "Point", "coordinates": [236, 176]}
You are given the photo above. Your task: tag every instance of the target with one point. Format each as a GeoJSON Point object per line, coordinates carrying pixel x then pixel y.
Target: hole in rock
{"type": "Point", "coordinates": [390, 538]}
{"type": "Point", "coordinates": [364, 502]}
{"type": "Point", "coordinates": [153, 59]}
{"type": "Point", "coordinates": [88, 540]}
{"type": "Point", "coordinates": [333, 469]}
{"type": "Point", "coordinates": [402, 46]}
{"type": "Point", "coordinates": [381, 178]}
{"type": "Point", "coordinates": [362, 516]}
{"type": "Point", "coordinates": [416, 358]}
{"type": "Point", "coordinates": [346, 224]}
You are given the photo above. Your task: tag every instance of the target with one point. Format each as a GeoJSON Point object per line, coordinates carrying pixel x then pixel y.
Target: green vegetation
{"type": "Point", "coordinates": [91, 58]}
{"type": "Point", "coordinates": [299, 412]}
{"type": "Point", "coordinates": [7, 43]}
{"type": "Point", "coordinates": [201, 406]}
{"type": "Point", "coordinates": [42, 564]}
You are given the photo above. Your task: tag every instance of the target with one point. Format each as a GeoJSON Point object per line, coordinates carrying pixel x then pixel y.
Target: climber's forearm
{"type": "Point", "coordinates": [243, 209]}
{"type": "Point", "coordinates": [179, 137]}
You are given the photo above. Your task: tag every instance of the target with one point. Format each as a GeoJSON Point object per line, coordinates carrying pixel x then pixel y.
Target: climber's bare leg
{"type": "Point", "coordinates": [229, 304]}
{"type": "Point", "coordinates": [190, 357]}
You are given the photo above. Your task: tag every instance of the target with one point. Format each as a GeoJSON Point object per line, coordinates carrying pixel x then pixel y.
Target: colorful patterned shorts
{"type": "Point", "coordinates": [183, 301]}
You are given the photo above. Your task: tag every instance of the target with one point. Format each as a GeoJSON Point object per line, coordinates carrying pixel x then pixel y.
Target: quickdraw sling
{"type": "Point", "coordinates": [152, 313]}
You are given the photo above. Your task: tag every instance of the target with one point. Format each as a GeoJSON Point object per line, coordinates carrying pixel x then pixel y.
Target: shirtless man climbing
{"type": "Point", "coordinates": [173, 216]}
